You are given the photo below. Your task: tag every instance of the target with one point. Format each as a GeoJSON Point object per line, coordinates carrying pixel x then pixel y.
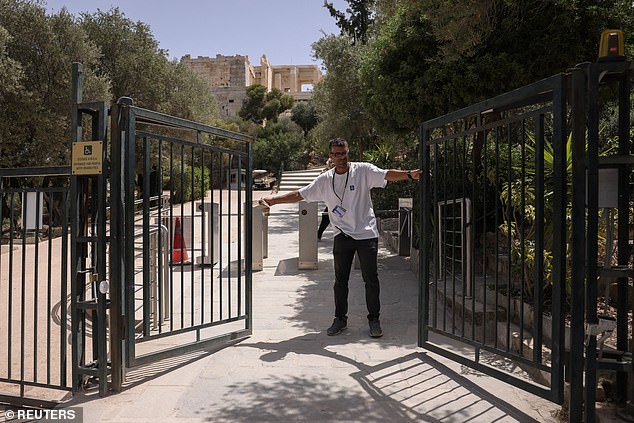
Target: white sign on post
{"type": "Point", "coordinates": [31, 216]}
{"type": "Point", "coordinates": [608, 188]}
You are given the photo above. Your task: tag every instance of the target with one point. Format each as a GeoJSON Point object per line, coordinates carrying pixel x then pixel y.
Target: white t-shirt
{"type": "Point", "coordinates": [347, 197]}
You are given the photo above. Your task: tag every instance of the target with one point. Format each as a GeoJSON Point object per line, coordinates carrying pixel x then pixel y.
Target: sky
{"type": "Point", "coordinates": [282, 29]}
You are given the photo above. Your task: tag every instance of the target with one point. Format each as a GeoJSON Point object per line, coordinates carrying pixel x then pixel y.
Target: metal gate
{"type": "Point", "coordinates": [180, 258]}
{"type": "Point", "coordinates": [509, 284]}
{"type": "Point", "coordinates": [140, 250]}
{"type": "Point", "coordinates": [479, 292]}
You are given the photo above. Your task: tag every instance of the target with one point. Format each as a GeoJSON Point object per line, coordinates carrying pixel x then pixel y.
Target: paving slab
{"type": "Point", "coordinates": [289, 370]}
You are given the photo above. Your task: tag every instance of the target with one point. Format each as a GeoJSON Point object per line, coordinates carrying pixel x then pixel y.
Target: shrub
{"type": "Point", "coordinates": [184, 189]}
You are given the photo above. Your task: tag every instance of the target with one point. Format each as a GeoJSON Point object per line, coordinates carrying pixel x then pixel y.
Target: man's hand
{"type": "Point", "coordinates": [263, 203]}
{"type": "Point", "coordinates": [289, 197]}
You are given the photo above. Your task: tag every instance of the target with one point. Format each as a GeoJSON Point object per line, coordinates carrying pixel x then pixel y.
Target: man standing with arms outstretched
{"type": "Point", "coordinates": [346, 191]}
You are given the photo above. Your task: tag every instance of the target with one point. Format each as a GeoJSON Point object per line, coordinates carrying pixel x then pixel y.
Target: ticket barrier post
{"type": "Point", "coordinates": [307, 236]}
{"type": "Point", "coordinates": [404, 226]}
{"type": "Point", "coordinates": [259, 222]}
{"type": "Point", "coordinates": [211, 245]}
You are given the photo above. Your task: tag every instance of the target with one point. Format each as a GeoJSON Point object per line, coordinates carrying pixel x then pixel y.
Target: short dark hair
{"type": "Point", "coordinates": [337, 142]}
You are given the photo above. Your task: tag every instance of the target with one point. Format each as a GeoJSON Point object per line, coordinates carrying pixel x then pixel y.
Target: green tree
{"type": "Point", "coordinates": [278, 144]}
{"type": "Point", "coordinates": [138, 68]}
{"type": "Point", "coordinates": [358, 21]}
{"type": "Point", "coordinates": [36, 51]}
{"type": "Point", "coordinates": [337, 97]}
{"type": "Point", "coordinates": [188, 96]}
{"type": "Point", "coordinates": [130, 57]}
{"type": "Point", "coordinates": [393, 72]}
{"type": "Point", "coordinates": [11, 77]}
{"type": "Point", "coordinates": [305, 115]}
{"type": "Point", "coordinates": [430, 57]}
{"type": "Point", "coordinates": [261, 105]}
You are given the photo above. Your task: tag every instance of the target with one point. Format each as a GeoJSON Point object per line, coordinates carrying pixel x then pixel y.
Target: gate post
{"type": "Point", "coordinates": [578, 82]}
{"type": "Point", "coordinates": [118, 257]}
{"type": "Point", "coordinates": [88, 237]}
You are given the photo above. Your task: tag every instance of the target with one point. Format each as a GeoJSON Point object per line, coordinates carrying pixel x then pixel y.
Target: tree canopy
{"type": "Point", "coordinates": [120, 58]}
{"type": "Point", "coordinates": [280, 145]}
{"type": "Point", "coordinates": [261, 105]}
{"type": "Point", "coordinates": [37, 50]}
{"type": "Point", "coordinates": [425, 58]}
{"type": "Point", "coordinates": [305, 115]}
{"type": "Point", "coordinates": [338, 96]}
{"type": "Point", "coordinates": [357, 21]}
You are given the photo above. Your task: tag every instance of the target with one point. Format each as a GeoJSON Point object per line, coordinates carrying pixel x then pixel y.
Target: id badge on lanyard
{"type": "Point", "coordinates": [339, 211]}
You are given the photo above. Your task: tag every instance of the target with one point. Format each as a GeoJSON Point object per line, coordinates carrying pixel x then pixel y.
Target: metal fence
{"type": "Point", "coordinates": [35, 349]}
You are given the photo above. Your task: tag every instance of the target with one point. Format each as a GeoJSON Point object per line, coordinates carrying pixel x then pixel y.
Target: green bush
{"type": "Point", "coordinates": [279, 145]}
{"type": "Point", "coordinates": [384, 156]}
{"type": "Point", "coordinates": [181, 183]}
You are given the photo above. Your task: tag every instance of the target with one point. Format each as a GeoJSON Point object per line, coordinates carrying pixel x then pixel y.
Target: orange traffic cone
{"type": "Point", "coordinates": [179, 250]}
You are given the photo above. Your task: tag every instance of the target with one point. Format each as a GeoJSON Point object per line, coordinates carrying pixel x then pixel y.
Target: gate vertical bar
{"type": "Point", "coordinates": [128, 173]}
{"type": "Point", "coordinates": [100, 125]}
{"type": "Point", "coordinates": [559, 236]}
{"type": "Point", "coordinates": [77, 262]}
{"type": "Point", "coordinates": [592, 238]}
{"type": "Point", "coordinates": [538, 297]}
{"type": "Point", "coordinates": [249, 240]}
{"type": "Point", "coordinates": [118, 259]}
{"type": "Point", "coordinates": [423, 259]}
{"type": "Point", "coordinates": [578, 85]}
{"type": "Point", "coordinates": [623, 228]}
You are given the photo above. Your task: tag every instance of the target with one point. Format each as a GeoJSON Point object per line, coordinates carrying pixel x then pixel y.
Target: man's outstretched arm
{"type": "Point", "coordinates": [289, 197]}
{"type": "Point", "coordinates": [402, 175]}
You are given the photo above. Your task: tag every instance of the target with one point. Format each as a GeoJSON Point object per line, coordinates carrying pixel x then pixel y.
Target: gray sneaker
{"type": "Point", "coordinates": [375, 329]}
{"type": "Point", "coordinates": [338, 326]}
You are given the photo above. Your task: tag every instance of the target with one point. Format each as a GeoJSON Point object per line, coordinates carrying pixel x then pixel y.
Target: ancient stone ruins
{"type": "Point", "coordinates": [228, 77]}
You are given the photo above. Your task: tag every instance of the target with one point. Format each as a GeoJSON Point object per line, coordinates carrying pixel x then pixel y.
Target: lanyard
{"type": "Point", "coordinates": [334, 172]}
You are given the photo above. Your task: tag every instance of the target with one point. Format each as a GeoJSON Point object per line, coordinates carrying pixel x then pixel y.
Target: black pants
{"type": "Point", "coordinates": [343, 251]}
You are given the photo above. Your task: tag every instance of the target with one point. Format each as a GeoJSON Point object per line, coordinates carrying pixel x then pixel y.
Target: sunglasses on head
{"type": "Point", "coordinates": [339, 153]}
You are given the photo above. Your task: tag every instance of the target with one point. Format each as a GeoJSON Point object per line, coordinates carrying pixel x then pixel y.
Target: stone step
{"type": "Point", "coordinates": [295, 179]}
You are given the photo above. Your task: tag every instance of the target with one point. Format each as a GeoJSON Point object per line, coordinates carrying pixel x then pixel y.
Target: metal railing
{"type": "Point", "coordinates": [34, 286]}
{"type": "Point", "coordinates": [455, 240]}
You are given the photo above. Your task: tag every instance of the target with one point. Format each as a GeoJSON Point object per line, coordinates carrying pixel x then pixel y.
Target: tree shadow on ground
{"type": "Point", "coordinates": [414, 387]}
